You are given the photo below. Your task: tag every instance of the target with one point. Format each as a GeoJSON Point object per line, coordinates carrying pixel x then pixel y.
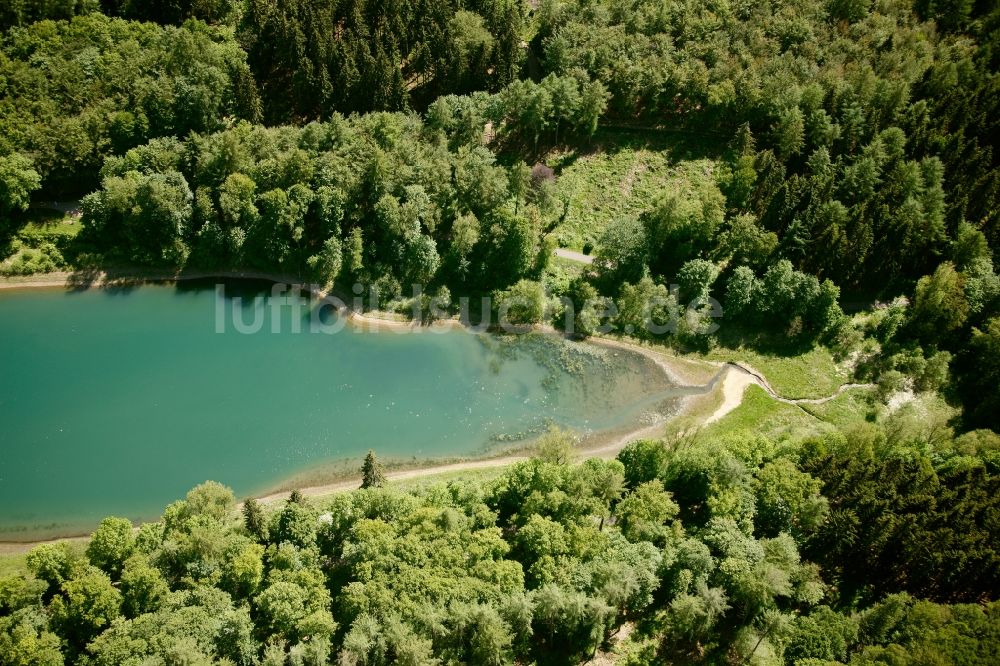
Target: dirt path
{"type": "Point", "coordinates": [572, 255]}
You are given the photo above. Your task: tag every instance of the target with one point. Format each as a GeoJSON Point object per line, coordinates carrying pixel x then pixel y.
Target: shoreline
{"type": "Point", "coordinates": [605, 448]}
{"type": "Point", "coordinates": [104, 279]}
{"type": "Point", "coordinates": [700, 377]}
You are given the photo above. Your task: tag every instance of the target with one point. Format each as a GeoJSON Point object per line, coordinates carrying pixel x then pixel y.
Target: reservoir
{"type": "Point", "coordinates": [117, 401]}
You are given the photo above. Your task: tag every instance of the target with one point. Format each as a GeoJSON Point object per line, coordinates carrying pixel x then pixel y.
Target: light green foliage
{"type": "Point", "coordinates": [410, 569]}
{"type": "Point", "coordinates": [111, 545]}
{"type": "Point", "coordinates": [87, 604]}
{"type": "Point", "coordinates": [982, 286]}
{"type": "Point", "coordinates": [744, 242]}
{"type": "Point", "coordinates": [695, 278]}
{"type": "Point", "coordinates": [915, 632]}
{"type": "Point", "coordinates": [823, 634]}
{"type": "Point", "coordinates": [142, 586]}
{"type": "Point", "coordinates": [644, 460]}
{"type": "Point", "coordinates": [210, 499]}
{"type": "Point", "coordinates": [647, 309]}
{"type": "Point", "coordinates": [555, 446]}
{"type": "Point", "coordinates": [702, 541]}
{"type": "Point", "coordinates": [939, 305]}
{"type": "Point", "coordinates": [969, 245]}
{"type": "Point", "coordinates": [52, 563]}
{"type": "Point", "coordinates": [595, 189]}
{"type": "Point", "coordinates": [243, 569]}
{"type": "Point", "coordinates": [18, 179]}
{"type": "Point", "coordinates": [622, 251]}
{"type": "Point", "coordinates": [522, 303]}
{"type": "Point", "coordinates": [19, 591]}
{"type": "Point", "coordinates": [191, 628]}
{"type": "Point", "coordinates": [285, 609]}
{"type": "Point", "coordinates": [25, 640]}
{"type": "Point", "coordinates": [45, 258]}
{"type": "Point", "coordinates": [788, 500]}
{"type": "Point", "coordinates": [643, 513]}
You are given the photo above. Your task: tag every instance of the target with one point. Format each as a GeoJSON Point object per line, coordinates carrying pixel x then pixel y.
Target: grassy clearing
{"type": "Point", "coordinates": [39, 246]}
{"type": "Point", "coordinates": [50, 225]}
{"type": "Point", "coordinates": [621, 174]}
{"type": "Point", "coordinates": [852, 406]}
{"type": "Point", "coordinates": [759, 413]}
{"type": "Point", "coordinates": [12, 564]}
{"type": "Point", "coordinates": [478, 475]}
{"type": "Point", "coordinates": [811, 374]}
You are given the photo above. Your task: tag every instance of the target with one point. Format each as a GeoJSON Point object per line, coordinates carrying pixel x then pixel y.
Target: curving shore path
{"type": "Point", "coordinates": [739, 376]}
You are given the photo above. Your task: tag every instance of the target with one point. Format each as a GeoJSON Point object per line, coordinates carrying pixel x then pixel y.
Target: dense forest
{"type": "Point", "coordinates": [729, 550]}
{"type": "Point", "coordinates": [845, 197]}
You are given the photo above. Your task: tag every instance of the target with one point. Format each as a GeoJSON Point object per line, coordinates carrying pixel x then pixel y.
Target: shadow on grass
{"type": "Point", "coordinates": [765, 342]}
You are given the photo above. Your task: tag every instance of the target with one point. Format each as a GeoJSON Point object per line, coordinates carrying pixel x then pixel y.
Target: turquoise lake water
{"type": "Point", "coordinates": [117, 401]}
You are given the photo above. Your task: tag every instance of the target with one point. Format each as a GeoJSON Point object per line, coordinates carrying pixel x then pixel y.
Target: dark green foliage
{"type": "Point", "coordinates": [785, 299]}
{"type": "Point", "coordinates": [172, 11]}
{"type": "Point", "coordinates": [901, 520]}
{"type": "Point", "coordinates": [314, 57]}
{"type": "Point", "coordinates": [145, 217]}
{"type": "Point", "coordinates": [845, 154]}
{"type": "Point", "coordinates": [644, 460]}
{"type": "Point", "coordinates": [978, 369]}
{"type": "Point", "coordinates": [136, 82]}
{"type": "Point", "coordinates": [366, 198]}
{"type": "Point", "coordinates": [861, 153]}
{"type": "Point", "coordinates": [254, 521]}
{"type": "Point", "coordinates": [22, 12]}
{"type": "Point", "coordinates": [623, 252]}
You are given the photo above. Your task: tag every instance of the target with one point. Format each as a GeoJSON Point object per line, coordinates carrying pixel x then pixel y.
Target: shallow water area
{"type": "Point", "coordinates": [117, 401]}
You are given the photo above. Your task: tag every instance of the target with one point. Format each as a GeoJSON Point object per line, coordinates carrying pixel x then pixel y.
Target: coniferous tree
{"type": "Point", "coordinates": [373, 476]}
{"type": "Point", "coordinates": [254, 521]}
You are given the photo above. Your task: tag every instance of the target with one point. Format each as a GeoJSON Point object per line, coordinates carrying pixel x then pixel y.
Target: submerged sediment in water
{"type": "Point", "coordinates": [118, 401]}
